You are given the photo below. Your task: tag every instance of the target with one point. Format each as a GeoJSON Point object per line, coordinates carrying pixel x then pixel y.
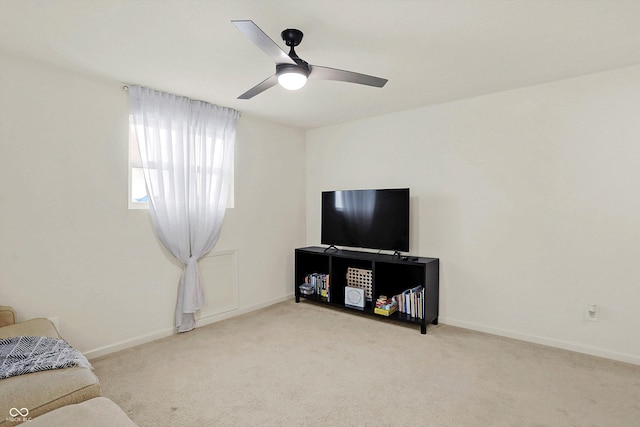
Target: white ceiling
{"type": "Point", "coordinates": [431, 51]}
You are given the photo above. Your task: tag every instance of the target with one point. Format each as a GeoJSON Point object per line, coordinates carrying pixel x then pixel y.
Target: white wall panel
{"type": "Point", "coordinates": [219, 274]}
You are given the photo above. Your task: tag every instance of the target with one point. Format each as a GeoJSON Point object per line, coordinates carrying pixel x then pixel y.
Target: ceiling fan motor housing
{"type": "Point", "coordinates": [290, 68]}
{"type": "Point", "coordinates": [291, 36]}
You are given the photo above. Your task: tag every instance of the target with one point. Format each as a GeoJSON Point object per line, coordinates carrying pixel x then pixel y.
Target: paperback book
{"type": "Point", "coordinates": [411, 302]}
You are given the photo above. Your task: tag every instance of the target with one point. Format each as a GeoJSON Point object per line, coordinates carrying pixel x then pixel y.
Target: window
{"type": "Point", "coordinates": [138, 197]}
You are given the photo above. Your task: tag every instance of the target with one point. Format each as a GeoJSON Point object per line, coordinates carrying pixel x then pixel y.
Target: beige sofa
{"type": "Point", "coordinates": [40, 393]}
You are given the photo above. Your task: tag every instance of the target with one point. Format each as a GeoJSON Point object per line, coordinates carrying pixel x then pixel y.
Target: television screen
{"type": "Point", "coordinates": [375, 219]}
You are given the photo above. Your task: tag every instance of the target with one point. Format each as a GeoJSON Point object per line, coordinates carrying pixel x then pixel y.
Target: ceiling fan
{"type": "Point", "coordinates": [292, 71]}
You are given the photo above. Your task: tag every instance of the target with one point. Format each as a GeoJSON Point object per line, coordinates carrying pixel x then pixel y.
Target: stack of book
{"type": "Point", "coordinates": [385, 306]}
{"type": "Point", "coordinates": [316, 284]}
{"type": "Point", "coordinates": [411, 302]}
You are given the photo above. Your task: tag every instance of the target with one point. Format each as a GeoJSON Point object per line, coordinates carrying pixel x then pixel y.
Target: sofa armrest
{"type": "Point", "coordinates": [7, 316]}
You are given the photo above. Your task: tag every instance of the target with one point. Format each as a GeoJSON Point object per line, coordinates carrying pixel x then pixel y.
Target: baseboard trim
{"type": "Point", "coordinates": [234, 312]}
{"type": "Point", "coordinates": [143, 339]}
{"type": "Point", "coordinates": [565, 345]}
{"type": "Point", "coordinates": [123, 345]}
{"type": "Point", "coordinates": [239, 311]}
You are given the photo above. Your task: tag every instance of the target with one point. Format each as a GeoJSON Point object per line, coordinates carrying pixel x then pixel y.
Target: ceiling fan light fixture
{"type": "Point", "coordinates": [291, 77]}
{"type": "Point", "coordinates": [291, 70]}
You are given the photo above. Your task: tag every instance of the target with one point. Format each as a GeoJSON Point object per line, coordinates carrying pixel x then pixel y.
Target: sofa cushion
{"type": "Point", "coordinates": [45, 391]}
{"type": "Point", "coordinates": [98, 412]}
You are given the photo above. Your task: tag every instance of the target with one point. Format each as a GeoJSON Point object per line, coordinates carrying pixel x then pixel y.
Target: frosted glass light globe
{"type": "Point", "coordinates": [292, 80]}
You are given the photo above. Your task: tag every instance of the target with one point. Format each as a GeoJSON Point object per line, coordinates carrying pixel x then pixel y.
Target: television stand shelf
{"type": "Point", "coordinates": [390, 276]}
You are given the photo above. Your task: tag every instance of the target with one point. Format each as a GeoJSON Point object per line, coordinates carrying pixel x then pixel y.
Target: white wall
{"type": "Point", "coordinates": [530, 198]}
{"type": "Point", "coordinates": [70, 248]}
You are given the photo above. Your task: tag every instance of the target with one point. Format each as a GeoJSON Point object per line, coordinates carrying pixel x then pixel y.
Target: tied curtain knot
{"type": "Point", "coordinates": [194, 298]}
{"type": "Point", "coordinates": [190, 296]}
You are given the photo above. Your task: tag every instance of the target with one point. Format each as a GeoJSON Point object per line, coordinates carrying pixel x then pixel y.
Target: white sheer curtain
{"type": "Point", "coordinates": [186, 148]}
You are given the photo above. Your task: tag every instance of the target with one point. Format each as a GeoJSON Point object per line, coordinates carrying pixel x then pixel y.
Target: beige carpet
{"type": "Point", "coordinates": [305, 365]}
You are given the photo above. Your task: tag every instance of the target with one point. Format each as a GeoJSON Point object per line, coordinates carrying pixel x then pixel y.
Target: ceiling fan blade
{"type": "Point", "coordinates": [326, 73]}
{"type": "Point", "coordinates": [260, 87]}
{"type": "Point", "coordinates": [260, 39]}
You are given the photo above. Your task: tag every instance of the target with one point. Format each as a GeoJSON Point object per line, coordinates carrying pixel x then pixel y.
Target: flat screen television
{"type": "Point", "coordinates": [374, 219]}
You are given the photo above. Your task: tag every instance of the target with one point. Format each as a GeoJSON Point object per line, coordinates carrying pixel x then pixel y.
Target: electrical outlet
{"type": "Point", "coordinates": [591, 312]}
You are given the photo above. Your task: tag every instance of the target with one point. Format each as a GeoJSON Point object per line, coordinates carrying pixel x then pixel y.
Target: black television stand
{"type": "Point", "coordinates": [390, 276]}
